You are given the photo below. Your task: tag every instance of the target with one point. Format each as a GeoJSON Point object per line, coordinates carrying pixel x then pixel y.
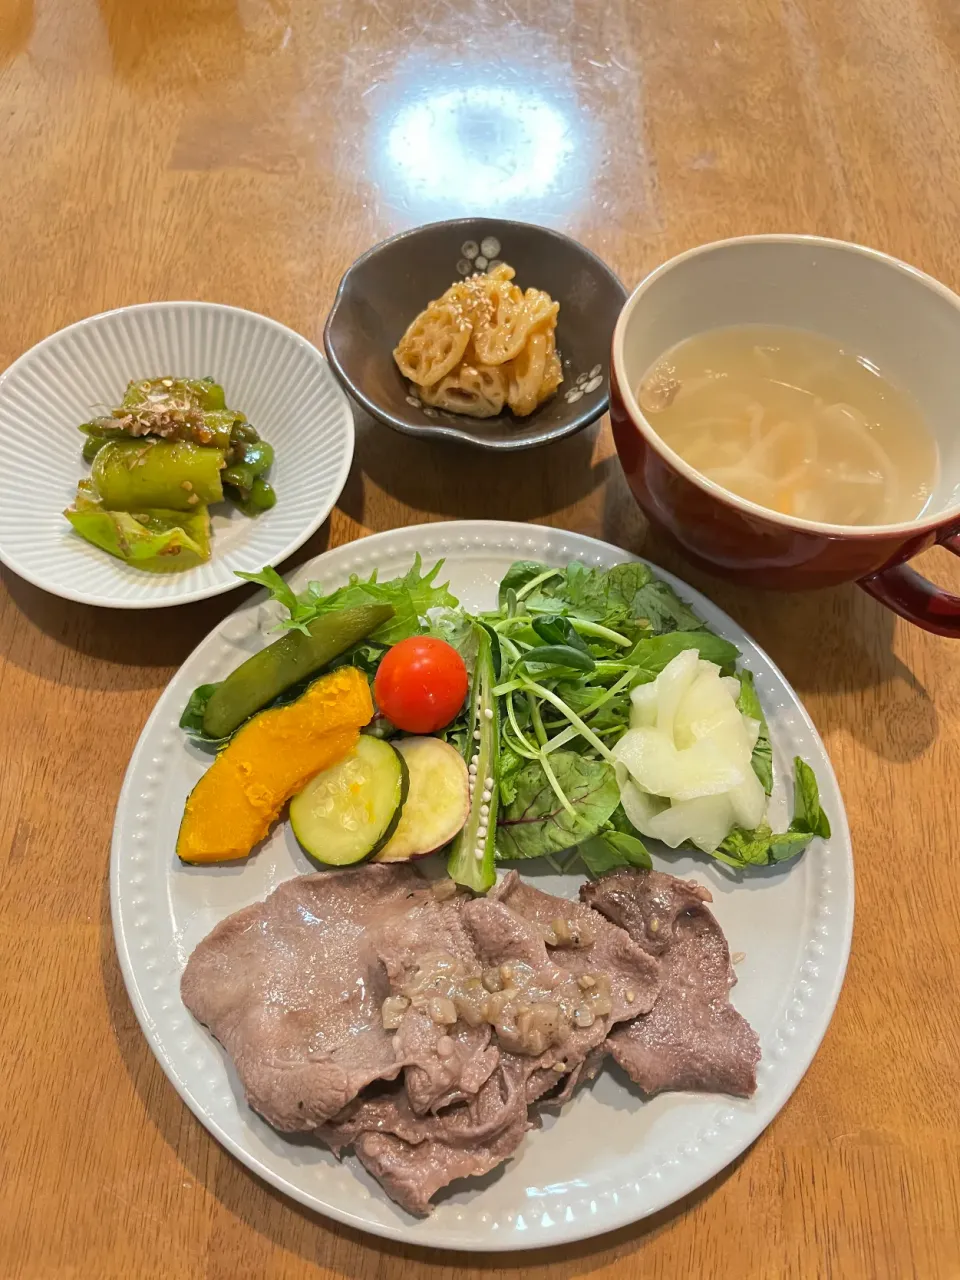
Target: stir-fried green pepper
{"type": "Point", "coordinates": [169, 448]}
{"type": "Point", "coordinates": [172, 409]}
{"type": "Point", "coordinates": [253, 460]}
{"type": "Point", "coordinates": [92, 446]}
{"type": "Point", "coordinates": [262, 497]}
{"type": "Point", "coordinates": [131, 475]}
{"type": "Point", "coordinates": [248, 463]}
{"type": "Point", "coordinates": [156, 540]}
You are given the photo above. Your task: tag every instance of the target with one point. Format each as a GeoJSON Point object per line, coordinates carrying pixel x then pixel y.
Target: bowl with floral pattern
{"type": "Point", "coordinates": [390, 284]}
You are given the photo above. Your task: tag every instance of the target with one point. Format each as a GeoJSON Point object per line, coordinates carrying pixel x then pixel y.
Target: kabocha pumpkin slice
{"type": "Point", "coordinates": [270, 759]}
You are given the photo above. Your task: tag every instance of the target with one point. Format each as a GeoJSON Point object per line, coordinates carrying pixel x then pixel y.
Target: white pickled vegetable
{"type": "Point", "coordinates": [639, 806]}
{"type": "Point", "coordinates": [704, 822]}
{"type": "Point", "coordinates": [684, 766]}
{"type": "Point", "coordinates": [672, 683]}
{"type": "Point", "coordinates": [643, 709]}
{"type": "Point", "coordinates": [650, 758]}
{"type": "Point", "coordinates": [707, 768]}
{"type": "Point", "coordinates": [706, 707]}
{"type": "Point", "coordinates": [749, 802]}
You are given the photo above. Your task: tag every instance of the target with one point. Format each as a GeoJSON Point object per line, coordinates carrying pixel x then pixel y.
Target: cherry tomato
{"type": "Point", "coordinates": [421, 684]}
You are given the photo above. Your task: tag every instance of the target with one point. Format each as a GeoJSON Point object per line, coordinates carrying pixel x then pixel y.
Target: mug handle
{"type": "Point", "coordinates": [910, 595]}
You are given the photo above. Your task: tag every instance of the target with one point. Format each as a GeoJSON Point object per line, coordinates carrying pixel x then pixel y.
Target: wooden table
{"type": "Point", "coordinates": [246, 151]}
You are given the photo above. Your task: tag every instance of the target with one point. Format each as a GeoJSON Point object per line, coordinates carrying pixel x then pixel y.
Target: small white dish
{"type": "Point", "coordinates": [273, 375]}
{"type": "Point", "coordinates": [611, 1158]}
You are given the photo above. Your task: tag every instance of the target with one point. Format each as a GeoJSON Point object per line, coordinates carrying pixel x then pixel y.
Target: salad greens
{"type": "Point", "coordinates": [411, 597]}
{"type": "Point", "coordinates": [555, 802]}
{"type": "Point", "coordinates": [761, 847]}
{"type": "Point", "coordinates": [748, 704]}
{"type": "Point", "coordinates": [565, 648]}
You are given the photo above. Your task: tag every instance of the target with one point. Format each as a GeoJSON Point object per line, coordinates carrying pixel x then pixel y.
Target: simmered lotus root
{"type": "Point", "coordinates": [502, 338]}
{"type": "Point", "coordinates": [482, 343]}
{"type": "Point", "coordinates": [525, 375]}
{"type": "Point", "coordinates": [433, 344]}
{"type": "Point", "coordinates": [477, 391]}
{"type": "Point", "coordinates": [516, 317]}
{"type": "Point", "coordinates": [552, 369]}
{"type": "Point", "coordinates": [541, 309]}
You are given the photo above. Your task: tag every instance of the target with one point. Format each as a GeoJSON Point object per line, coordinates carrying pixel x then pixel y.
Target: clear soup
{"type": "Point", "coordinates": [790, 420]}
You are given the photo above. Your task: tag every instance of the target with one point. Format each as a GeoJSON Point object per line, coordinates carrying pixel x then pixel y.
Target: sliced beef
{"type": "Point", "coordinates": [600, 947]}
{"type": "Point", "coordinates": [414, 1154]}
{"type": "Point", "coordinates": [413, 1157]}
{"type": "Point", "coordinates": [292, 989]}
{"type": "Point", "coordinates": [442, 1065]}
{"type": "Point", "coordinates": [634, 974]}
{"type": "Point", "coordinates": [693, 1038]}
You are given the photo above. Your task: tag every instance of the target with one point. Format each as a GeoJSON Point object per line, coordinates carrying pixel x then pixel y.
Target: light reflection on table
{"type": "Point", "coordinates": [480, 137]}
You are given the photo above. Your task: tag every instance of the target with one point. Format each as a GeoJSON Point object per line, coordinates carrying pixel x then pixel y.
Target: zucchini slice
{"type": "Point", "coordinates": [437, 803]}
{"type": "Point", "coordinates": [349, 811]}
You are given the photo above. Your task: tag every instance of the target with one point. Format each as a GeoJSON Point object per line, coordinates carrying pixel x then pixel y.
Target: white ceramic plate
{"type": "Point", "coordinates": [609, 1158]}
{"type": "Point", "coordinates": [273, 375]}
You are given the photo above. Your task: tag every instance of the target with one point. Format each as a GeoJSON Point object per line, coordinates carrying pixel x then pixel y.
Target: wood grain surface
{"type": "Point", "coordinates": [246, 151]}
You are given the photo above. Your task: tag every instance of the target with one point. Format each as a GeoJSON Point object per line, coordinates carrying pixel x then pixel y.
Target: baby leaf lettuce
{"type": "Point", "coordinates": [651, 654]}
{"type": "Point", "coordinates": [518, 577]}
{"type": "Point", "coordinates": [748, 704]}
{"type": "Point", "coordinates": [412, 597]}
{"type": "Point", "coordinates": [762, 847]}
{"type": "Point", "coordinates": [625, 595]}
{"type": "Point", "coordinates": [534, 823]}
{"type": "Point", "coordinates": [192, 718]}
{"type": "Point", "coordinates": [558, 655]}
{"type": "Point", "coordinates": [609, 850]}
{"type": "Point", "coordinates": [808, 816]}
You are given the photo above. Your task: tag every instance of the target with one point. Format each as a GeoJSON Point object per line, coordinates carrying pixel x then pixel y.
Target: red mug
{"type": "Point", "coordinates": [901, 319]}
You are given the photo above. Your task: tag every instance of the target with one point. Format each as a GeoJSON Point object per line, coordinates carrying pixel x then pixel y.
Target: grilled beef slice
{"type": "Point", "coordinates": [441, 1065]}
{"type": "Point", "coordinates": [292, 989]}
{"type": "Point", "coordinates": [693, 1038]}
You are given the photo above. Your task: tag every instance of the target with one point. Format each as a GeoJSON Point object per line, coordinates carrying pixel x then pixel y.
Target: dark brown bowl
{"type": "Point", "coordinates": [385, 288]}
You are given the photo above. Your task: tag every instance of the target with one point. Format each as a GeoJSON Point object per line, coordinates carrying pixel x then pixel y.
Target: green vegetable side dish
{"type": "Point", "coordinates": [158, 540]}
{"type": "Point", "coordinates": [172, 445]}
{"type": "Point", "coordinates": [555, 671]}
{"type": "Point", "coordinates": [131, 475]}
